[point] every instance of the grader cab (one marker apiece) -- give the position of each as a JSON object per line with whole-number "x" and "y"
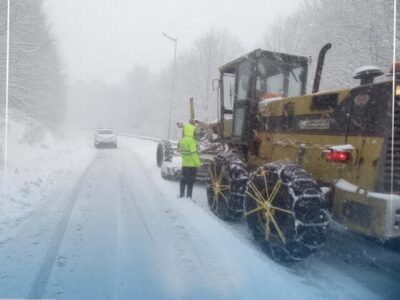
{"x": 295, "y": 157}
{"x": 255, "y": 76}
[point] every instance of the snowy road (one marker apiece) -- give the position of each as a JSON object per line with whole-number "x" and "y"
{"x": 117, "y": 231}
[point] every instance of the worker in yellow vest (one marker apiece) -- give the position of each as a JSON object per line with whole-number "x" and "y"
{"x": 190, "y": 159}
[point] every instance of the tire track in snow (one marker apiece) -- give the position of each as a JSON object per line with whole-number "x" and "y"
{"x": 135, "y": 228}
{"x": 128, "y": 190}
{"x": 43, "y": 275}
{"x": 195, "y": 253}
{"x": 90, "y": 244}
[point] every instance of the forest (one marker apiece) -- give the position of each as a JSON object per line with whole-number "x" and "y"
{"x": 360, "y": 31}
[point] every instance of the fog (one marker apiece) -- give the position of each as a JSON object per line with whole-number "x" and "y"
{"x": 101, "y": 39}
{"x": 103, "y": 43}
{"x": 298, "y": 198}
{"x": 89, "y": 64}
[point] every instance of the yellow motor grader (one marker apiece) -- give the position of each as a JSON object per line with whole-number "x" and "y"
{"x": 291, "y": 157}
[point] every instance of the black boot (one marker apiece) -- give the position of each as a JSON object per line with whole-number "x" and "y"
{"x": 189, "y": 190}
{"x": 182, "y": 189}
{"x": 190, "y": 181}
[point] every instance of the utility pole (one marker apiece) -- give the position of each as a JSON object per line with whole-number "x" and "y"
{"x": 175, "y": 40}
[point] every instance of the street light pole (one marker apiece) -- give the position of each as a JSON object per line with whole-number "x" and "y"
{"x": 6, "y": 105}
{"x": 175, "y": 40}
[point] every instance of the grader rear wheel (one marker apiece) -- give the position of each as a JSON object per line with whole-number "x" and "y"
{"x": 285, "y": 211}
{"x": 165, "y": 152}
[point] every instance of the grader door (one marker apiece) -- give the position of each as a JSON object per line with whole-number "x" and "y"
{"x": 242, "y": 101}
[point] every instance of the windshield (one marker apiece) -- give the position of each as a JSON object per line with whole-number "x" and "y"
{"x": 243, "y": 80}
{"x": 105, "y": 131}
{"x": 229, "y": 89}
{"x": 278, "y": 79}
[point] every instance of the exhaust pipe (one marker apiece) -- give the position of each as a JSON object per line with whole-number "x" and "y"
{"x": 191, "y": 110}
{"x": 320, "y": 64}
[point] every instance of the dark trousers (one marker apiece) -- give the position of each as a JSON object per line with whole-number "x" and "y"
{"x": 188, "y": 178}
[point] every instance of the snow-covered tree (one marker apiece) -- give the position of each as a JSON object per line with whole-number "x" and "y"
{"x": 149, "y": 94}
{"x": 36, "y": 85}
{"x": 211, "y": 51}
{"x": 397, "y": 32}
{"x": 361, "y": 32}
{"x": 196, "y": 69}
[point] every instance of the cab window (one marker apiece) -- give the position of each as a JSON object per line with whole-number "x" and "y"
{"x": 276, "y": 78}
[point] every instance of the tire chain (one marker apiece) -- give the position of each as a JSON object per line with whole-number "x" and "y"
{"x": 168, "y": 151}
{"x": 238, "y": 176}
{"x": 308, "y": 206}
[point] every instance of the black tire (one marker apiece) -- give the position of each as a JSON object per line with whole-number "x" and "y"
{"x": 299, "y": 211}
{"x": 165, "y": 152}
{"x": 233, "y": 179}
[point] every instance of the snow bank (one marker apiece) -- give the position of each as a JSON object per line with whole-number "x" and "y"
{"x": 36, "y": 162}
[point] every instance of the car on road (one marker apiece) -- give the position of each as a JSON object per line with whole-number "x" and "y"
{"x": 105, "y": 137}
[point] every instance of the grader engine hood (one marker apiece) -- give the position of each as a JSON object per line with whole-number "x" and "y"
{"x": 343, "y": 136}
{"x": 355, "y": 116}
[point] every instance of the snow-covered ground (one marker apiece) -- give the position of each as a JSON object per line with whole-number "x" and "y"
{"x": 103, "y": 224}
{"x": 35, "y": 168}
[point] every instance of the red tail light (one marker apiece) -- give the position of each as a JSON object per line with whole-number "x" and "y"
{"x": 336, "y": 156}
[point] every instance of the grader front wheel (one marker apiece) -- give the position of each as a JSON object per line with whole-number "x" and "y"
{"x": 218, "y": 189}
{"x": 227, "y": 184}
{"x": 285, "y": 211}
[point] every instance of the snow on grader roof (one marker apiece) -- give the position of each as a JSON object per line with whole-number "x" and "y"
{"x": 260, "y": 52}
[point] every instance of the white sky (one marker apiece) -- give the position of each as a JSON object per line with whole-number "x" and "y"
{"x": 104, "y": 39}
